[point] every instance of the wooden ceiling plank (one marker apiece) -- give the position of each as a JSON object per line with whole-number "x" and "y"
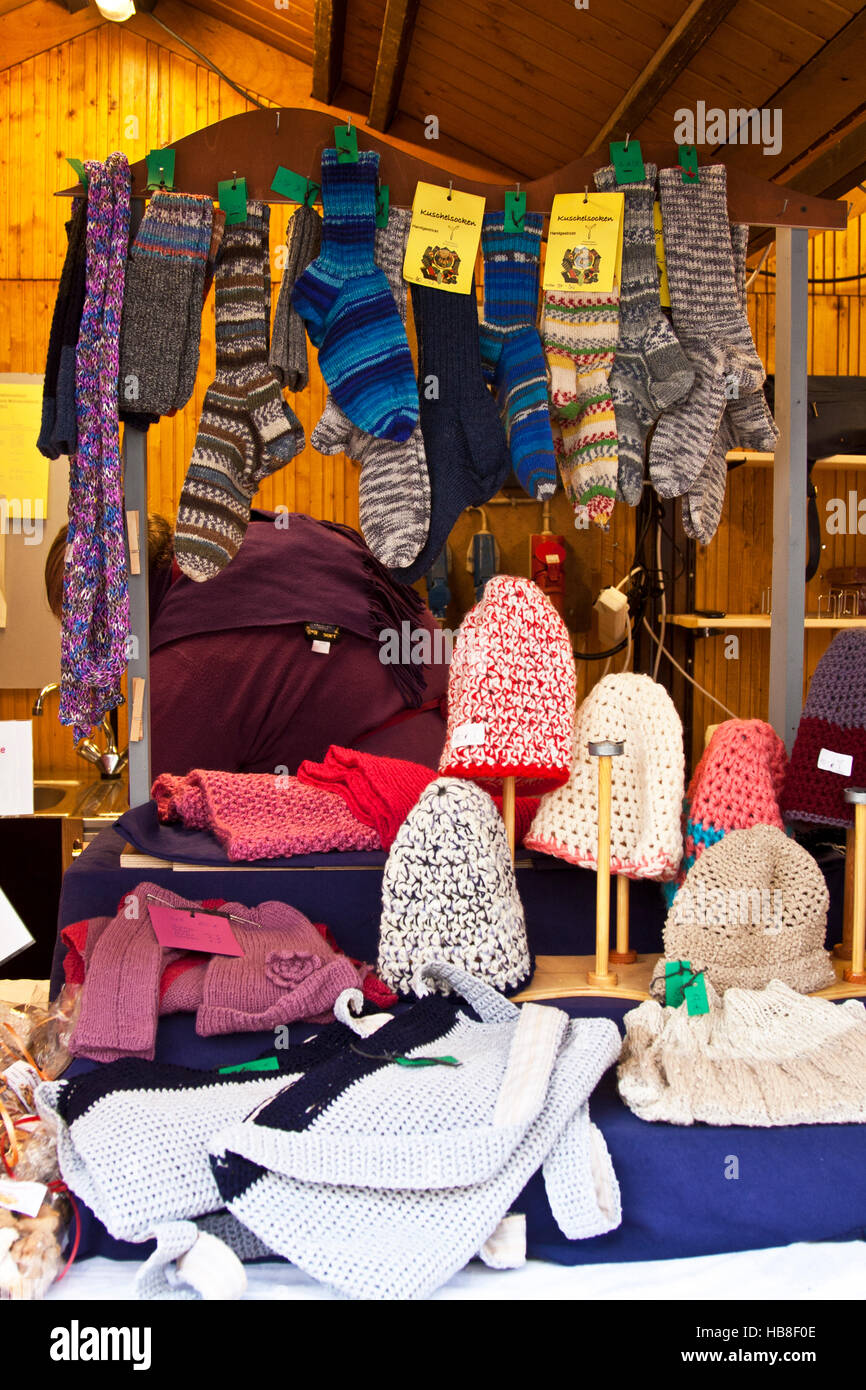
{"x": 701, "y": 19}
{"x": 283, "y": 29}
{"x": 517, "y": 29}
{"x": 823, "y": 18}
{"x": 39, "y": 25}
{"x": 328, "y": 36}
{"x": 394, "y": 43}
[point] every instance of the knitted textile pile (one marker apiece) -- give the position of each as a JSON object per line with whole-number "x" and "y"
{"x": 646, "y": 783}
{"x": 394, "y": 487}
{"x": 737, "y": 783}
{"x": 58, "y": 433}
{"x": 260, "y": 815}
{"x": 511, "y": 689}
{"x": 752, "y": 909}
{"x": 380, "y": 792}
{"x": 378, "y": 1179}
{"x": 346, "y": 302}
{"x": 246, "y": 431}
{"x": 382, "y": 1181}
{"x": 95, "y": 622}
{"x": 287, "y": 973}
{"x": 758, "y": 1058}
{"x": 449, "y": 893}
{"x": 833, "y": 721}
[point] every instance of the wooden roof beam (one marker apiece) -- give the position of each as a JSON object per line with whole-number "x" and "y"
{"x": 394, "y": 43}
{"x": 688, "y": 36}
{"x": 329, "y": 32}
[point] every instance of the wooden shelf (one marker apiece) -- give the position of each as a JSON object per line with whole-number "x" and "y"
{"x": 564, "y": 977}
{"x": 693, "y": 620}
{"x": 756, "y": 460}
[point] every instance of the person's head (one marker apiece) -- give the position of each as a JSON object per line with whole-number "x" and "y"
{"x": 160, "y": 552}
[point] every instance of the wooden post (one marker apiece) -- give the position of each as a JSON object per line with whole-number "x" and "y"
{"x": 623, "y": 955}
{"x": 856, "y": 972}
{"x": 602, "y": 976}
{"x": 843, "y": 949}
{"x": 508, "y": 795}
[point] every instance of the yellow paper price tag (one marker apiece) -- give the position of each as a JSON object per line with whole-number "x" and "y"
{"x": 584, "y": 244}
{"x": 664, "y": 289}
{"x": 443, "y": 238}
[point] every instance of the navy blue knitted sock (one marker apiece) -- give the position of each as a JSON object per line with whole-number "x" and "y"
{"x": 464, "y": 438}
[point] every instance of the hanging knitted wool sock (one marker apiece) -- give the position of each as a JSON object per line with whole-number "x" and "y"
{"x": 650, "y": 370}
{"x": 288, "y": 355}
{"x": 394, "y": 530}
{"x": 710, "y": 323}
{"x": 347, "y": 305}
{"x": 579, "y": 331}
{"x": 281, "y": 431}
{"x": 511, "y": 352}
{"x": 464, "y": 440}
{"x": 244, "y": 432}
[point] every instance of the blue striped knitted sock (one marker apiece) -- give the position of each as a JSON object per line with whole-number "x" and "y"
{"x": 512, "y": 357}
{"x": 351, "y": 317}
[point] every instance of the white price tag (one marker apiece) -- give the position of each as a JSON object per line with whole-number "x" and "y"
{"x": 26, "y": 1197}
{"x": 23, "y": 1080}
{"x": 322, "y": 647}
{"x": 468, "y": 735}
{"x": 836, "y": 762}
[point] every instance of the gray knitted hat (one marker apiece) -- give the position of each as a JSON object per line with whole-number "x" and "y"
{"x": 753, "y": 909}
{"x": 449, "y": 893}
{"x": 759, "y": 1058}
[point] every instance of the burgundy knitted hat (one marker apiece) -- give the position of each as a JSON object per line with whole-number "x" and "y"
{"x": 511, "y": 690}
{"x": 830, "y": 748}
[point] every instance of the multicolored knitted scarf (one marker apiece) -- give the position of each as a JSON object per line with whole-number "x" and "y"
{"x": 95, "y": 624}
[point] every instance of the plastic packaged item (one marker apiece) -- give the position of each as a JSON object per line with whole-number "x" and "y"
{"x": 31, "y": 1248}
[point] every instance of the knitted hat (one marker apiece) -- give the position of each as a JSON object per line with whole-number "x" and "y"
{"x": 646, "y": 783}
{"x": 758, "y": 1058}
{"x": 752, "y": 909}
{"x": 511, "y": 689}
{"x": 737, "y": 783}
{"x": 834, "y": 722}
{"x": 448, "y": 892}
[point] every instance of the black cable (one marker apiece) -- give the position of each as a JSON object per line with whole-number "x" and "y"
{"x": 836, "y": 280}
{"x": 213, "y": 67}
{"x": 600, "y": 656}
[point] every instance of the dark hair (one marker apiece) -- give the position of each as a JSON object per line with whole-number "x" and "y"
{"x": 160, "y": 553}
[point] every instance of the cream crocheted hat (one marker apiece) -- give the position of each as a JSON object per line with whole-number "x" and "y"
{"x": 753, "y": 908}
{"x": 646, "y": 783}
{"x": 449, "y": 893}
{"x": 759, "y": 1058}
{"x": 511, "y": 690}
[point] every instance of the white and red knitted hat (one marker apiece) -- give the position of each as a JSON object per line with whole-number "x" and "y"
{"x": 511, "y": 690}
{"x": 646, "y": 783}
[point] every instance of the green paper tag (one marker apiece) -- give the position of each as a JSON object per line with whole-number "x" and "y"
{"x": 260, "y": 1064}
{"x": 346, "y": 141}
{"x": 515, "y": 211}
{"x": 160, "y": 169}
{"x": 295, "y": 187}
{"x": 677, "y": 975}
{"x": 383, "y": 203}
{"x": 695, "y": 995}
{"x": 233, "y": 200}
{"x": 79, "y": 169}
{"x": 627, "y": 163}
{"x": 689, "y": 164}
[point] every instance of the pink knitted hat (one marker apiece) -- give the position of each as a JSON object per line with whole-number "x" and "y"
{"x": 511, "y": 689}
{"x": 736, "y": 784}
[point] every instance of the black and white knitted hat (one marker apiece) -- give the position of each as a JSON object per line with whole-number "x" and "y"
{"x": 449, "y": 892}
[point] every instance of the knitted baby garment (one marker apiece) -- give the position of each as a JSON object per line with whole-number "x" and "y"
{"x": 383, "y": 1180}
{"x": 759, "y": 1058}
{"x": 646, "y": 783}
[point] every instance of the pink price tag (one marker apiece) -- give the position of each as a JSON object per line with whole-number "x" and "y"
{"x": 193, "y": 930}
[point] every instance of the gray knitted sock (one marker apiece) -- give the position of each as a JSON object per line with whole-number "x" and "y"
{"x": 710, "y": 324}
{"x": 288, "y": 354}
{"x": 747, "y": 423}
{"x": 394, "y": 491}
{"x": 650, "y": 371}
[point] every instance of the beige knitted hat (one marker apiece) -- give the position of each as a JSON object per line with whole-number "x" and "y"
{"x": 759, "y": 1057}
{"x": 753, "y": 908}
{"x": 646, "y": 783}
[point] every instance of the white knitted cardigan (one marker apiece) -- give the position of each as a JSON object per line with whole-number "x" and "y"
{"x": 389, "y": 1187}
